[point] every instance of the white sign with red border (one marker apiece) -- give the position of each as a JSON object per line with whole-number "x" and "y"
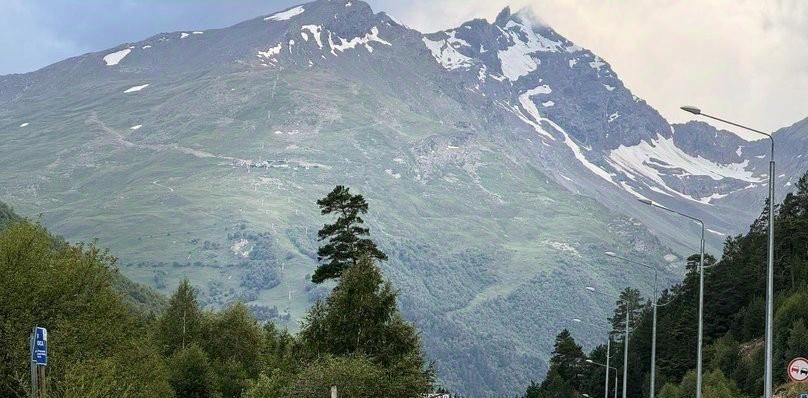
{"x": 798, "y": 370}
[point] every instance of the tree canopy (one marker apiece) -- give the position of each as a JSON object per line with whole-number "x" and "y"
{"x": 346, "y": 238}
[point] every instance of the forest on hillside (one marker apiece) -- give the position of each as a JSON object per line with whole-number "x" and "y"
{"x": 109, "y": 337}
{"x": 734, "y": 320}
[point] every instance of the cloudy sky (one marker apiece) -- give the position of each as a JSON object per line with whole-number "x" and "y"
{"x": 746, "y": 60}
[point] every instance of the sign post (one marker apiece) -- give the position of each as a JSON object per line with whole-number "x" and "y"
{"x": 798, "y": 370}
{"x": 39, "y": 359}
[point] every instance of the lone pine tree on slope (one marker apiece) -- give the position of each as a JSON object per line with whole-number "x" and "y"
{"x": 347, "y": 241}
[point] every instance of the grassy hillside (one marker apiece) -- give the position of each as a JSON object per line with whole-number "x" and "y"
{"x": 218, "y": 186}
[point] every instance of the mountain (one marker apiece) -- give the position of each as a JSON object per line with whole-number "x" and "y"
{"x": 500, "y": 161}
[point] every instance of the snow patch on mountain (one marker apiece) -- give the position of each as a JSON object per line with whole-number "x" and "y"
{"x": 631, "y": 190}
{"x": 136, "y": 88}
{"x": 456, "y": 41}
{"x": 517, "y": 60}
{"x": 184, "y": 35}
{"x": 446, "y": 55}
{"x": 530, "y": 107}
{"x": 344, "y": 45}
{"x": 286, "y": 15}
{"x": 650, "y": 159}
{"x": 709, "y": 199}
{"x": 597, "y": 63}
{"x": 576, "y": 150}
{"x": 112, "y": 59}
{"x": 316, "y": 31}
{"x": 271, "y": 52}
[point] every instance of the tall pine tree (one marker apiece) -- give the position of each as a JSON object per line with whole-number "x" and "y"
{"x": 181, "y": 323}
{"x": 347, "y": 238}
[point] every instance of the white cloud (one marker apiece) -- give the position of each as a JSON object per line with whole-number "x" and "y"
{"x": 745, "y": 60}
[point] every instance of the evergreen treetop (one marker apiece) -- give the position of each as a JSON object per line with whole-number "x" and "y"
{"x": 347, "y": 240}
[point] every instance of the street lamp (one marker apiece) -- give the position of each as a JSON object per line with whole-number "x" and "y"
{"x": 767, "y": 379}
{"x": 607, "y": 376}
{"x": 655, "y": 305}
{"x": 608, "y": 358}
{"x": 701, "y": 289}
{"x": 625, "y": 339}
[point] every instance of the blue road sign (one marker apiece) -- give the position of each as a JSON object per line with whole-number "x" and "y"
{"x": 804, "y": 395}
{"x": 39, "y": 350}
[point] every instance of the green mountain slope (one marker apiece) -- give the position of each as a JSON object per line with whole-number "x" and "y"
{"x": 477, "y": 239}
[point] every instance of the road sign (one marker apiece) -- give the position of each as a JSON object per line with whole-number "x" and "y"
{"x": 804, "y": 395}
{"x": 798, "y": 369}
{"x": 39, "y": 348}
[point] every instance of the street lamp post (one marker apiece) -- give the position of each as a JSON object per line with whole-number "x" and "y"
{"x": 654, "y": 327}
{"x": 606, "y": 394}
{"x": 625, "y": 339}
{"x": 767, "y": 379}
{"x": 656, "y": 305}
{"x": 608, "y": 358}
{"x": 701, "y": 291}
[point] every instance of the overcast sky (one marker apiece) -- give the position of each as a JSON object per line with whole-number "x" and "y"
{"x": 746, "y": 60}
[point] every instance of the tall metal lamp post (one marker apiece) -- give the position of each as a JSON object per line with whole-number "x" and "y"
{"x": 654, "y": 328}
{"x": 625, "y": 339}
{"x": 606, "y": 394}
{"x": 608, "y": 358}
{"x": 767, "y": 384}
{"x": 701, "y": 291}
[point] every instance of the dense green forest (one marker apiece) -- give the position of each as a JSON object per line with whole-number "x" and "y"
{"x": 733, "y": 322}
{"x": 109, "y": 337}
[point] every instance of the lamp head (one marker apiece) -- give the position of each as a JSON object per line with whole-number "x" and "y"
{"x": 610, "y": 254}
{"x": 590, "y": 288}
{"x": 649, "y": 202}
{"x": 576, "y": 320}
{"x": 589, "y": 361}
{"x": 691, "y": 109}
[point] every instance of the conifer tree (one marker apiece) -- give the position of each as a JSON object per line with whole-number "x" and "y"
{"x": 181, "y": 323}
{"x": 630, "y": 300}
{"x": 568, "y": 358}
{"x": 347, "y": 238}
{"x": 360, "y": 318}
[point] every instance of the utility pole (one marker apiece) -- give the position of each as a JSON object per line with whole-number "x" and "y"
{"x": 333, "y": 391}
